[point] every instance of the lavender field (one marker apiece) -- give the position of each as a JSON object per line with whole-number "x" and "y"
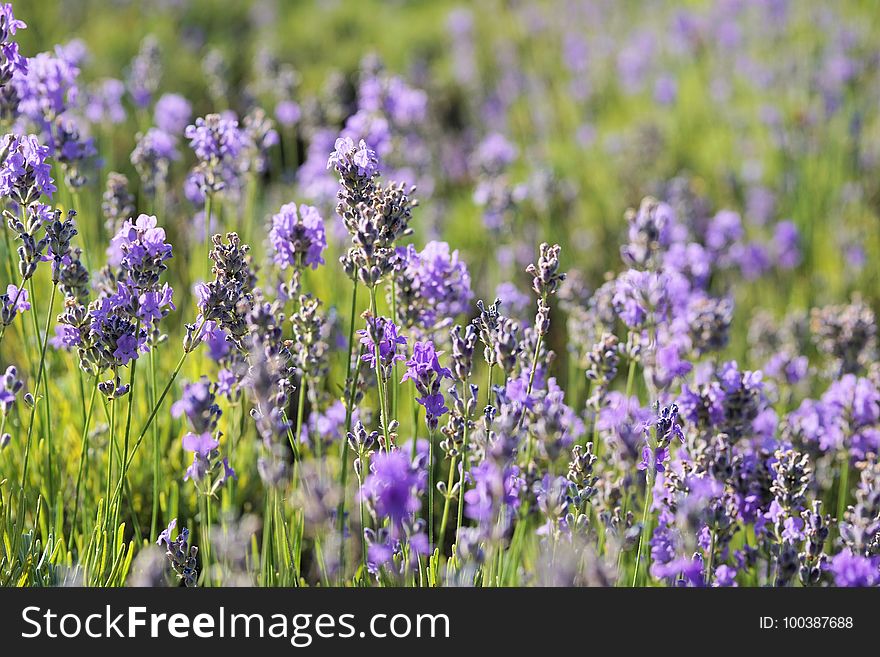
{"x": 406, "y": 294}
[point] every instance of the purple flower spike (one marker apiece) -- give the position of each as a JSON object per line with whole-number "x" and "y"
{"x": 298, "y": 237}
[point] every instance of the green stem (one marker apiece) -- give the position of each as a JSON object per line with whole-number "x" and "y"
{"x": 10, "y": 264}
{"x": 531, "y": 438}
{"x": 649, "y": 494}
{"x": 449, "y": 483}
{"x": 595, "y": 428}
{"x": 361, "y": 538}
{"x": 489, "y": 385}
{"x": 415, "y": 440}
{"x": 266, "y": 547}
{"x": 75, "y": 203}
{"x": 394, "y": 365}
{"x": 431, "y": 489}
{"x": 630, "y": 379}
{"x": 82, "y": 395}
{"x": 46, "y": 407}
{"x": 110, "y": 440}
{"x": 617, "y": 578}
{"x": 151, "y": 391}
{"x": 534, "y": 363}
{"x": 205, "y": 547}
{"x": 301, "y": 402}
{"x": 351, "y": 382}
{"x": 85, "y": 451}
{"x": 711, "y": 558}
{"x": 380, "y": 380}
{"x": 464, "y": 467}
{"x": 127, "y": 437}
{"x": 843, "y": 489}
{"x": 208, "y": 202}
{"x": 30, "y": 433}
{"x": 250, "y": 207}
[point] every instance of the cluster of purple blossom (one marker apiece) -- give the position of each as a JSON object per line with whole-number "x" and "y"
{"x": 123, "y": 321}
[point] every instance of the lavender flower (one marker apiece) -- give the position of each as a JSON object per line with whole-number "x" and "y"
{"x": 326, "y": 426}
{"x": 426, "y": 373}
{"x": 152, "y": 157}
{"x": 199, "y": 406}
{"x": 208, "y": 471}
{"x": 287, "y": 113}
{"x": 546, "y": 275}
{"x": 847, "y": 335}
{"x": 114, "y": 335}
{"x": 13, "y": 302}
{"x": 261, "y": 136}
{"x": 602, "y": 363}
{"x": 555, "y": 424}
{"x": 357, "y": 183}
{"x": 31, "y": 250}
{"x": 140, "y": 250}
{"x": 217, "y": 142}
{"x": 709, "y": 319}
{"x": 104, "y": 104}
{"x": 393, "y": 487}
{"x": 297, "y": 237}
{"x": 204, "y": 449}
{"x": 851, "y": 408}
{"x": 786, "y": 245}
{"x": 494, "y": 490}
{"x": 433, "y": 286}
{"x": 792, "y": 474}
{"x": 25, "y": 172}
{"x": 310, "y": 349}
{"x": 813, "y": 560}
{"x": 172, "y": 114}
{"x": 641, "y": 298}
{"x": 729, "y": 405}
{"x": 651, "y": 230}
{"x": 269, "y": 382}
{"x": 144, "y": 72}
{"x": 659, "y": 434}
{"x": 378, "y": 224}
{"x": 117, "y": 204}
{"x": 215, "y": 138}
{"x": 860, "y": 528}
{"x": 12, "y": 61}
{"x": 180, "y": 554}
{"x": 851, "y": 569}
{"x": 58, "y": 236}
{"x": 227, "y": 299}
{"x": 463, "y": 350}
{"x": 653, "y": 459}
{"x": 72, "y": 147}
{"x": 353, "y": 161}
{"x": 10, "y": 385}
{"x": 48, "y": 88}
{"x": 499, "y": 335}
{"x": 495, "y": 154}
{"x": 383, "y": 332}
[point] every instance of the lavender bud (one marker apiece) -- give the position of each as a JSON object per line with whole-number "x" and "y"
{"x": 546, "y": 277}
{"x": 118, "y": 203}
